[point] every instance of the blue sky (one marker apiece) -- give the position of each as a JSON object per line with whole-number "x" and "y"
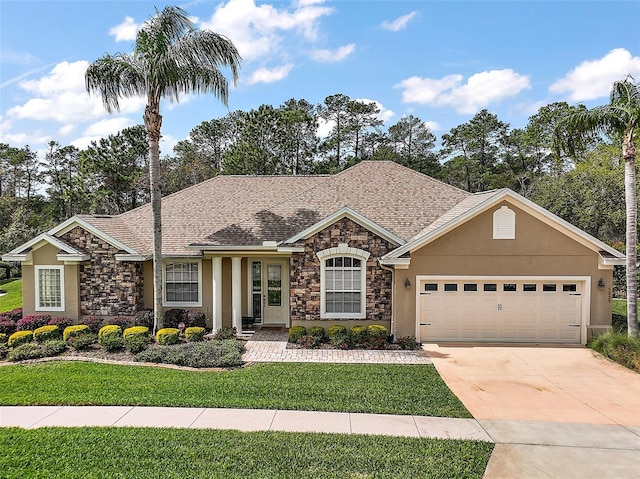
{"x": 441, "y": 61}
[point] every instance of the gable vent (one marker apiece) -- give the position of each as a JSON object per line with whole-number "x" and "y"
{"x": 504, "y": 223}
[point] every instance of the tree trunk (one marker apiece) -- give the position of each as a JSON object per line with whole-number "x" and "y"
{"x": 153, "y": 123}
{"x": 629, "y": 155}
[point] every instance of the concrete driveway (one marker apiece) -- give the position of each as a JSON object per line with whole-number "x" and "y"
{"x": 552, "y": 411}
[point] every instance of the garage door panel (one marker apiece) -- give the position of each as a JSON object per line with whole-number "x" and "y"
{"x": 517, "y": 311}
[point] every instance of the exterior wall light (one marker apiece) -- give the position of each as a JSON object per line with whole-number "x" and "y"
{"x": 601, "y": 284}
{"x": 407, "y": 283}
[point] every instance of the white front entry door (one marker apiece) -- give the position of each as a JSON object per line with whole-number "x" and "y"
{"x": 270, "y": 291}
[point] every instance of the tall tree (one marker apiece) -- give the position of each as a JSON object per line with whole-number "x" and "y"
{"x": 170, "y": 58}
{"x": 334, "y": 111}
{"x": 61, "y": 167}
{"x": 413, "y": 143}
{"x": 298, "y": 120}
{"x": 362, "y": 117}
{"x": 619, "y": 119}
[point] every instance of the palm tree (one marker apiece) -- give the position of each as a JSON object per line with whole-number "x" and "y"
{"x": 620, "y": 119}
{"x": 170, "y": 57}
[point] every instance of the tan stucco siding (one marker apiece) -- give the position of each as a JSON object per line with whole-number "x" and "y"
{"x": 470, "y": 250}
{"x": 46, "y": 256}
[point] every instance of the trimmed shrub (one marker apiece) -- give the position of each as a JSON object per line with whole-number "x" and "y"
{"x": 173, "y": 317}
{"x": 358, "y": 334}
{"x": 336, "y": 329}
{"x": 20, "y": 337}
{"x": 82, "y": 341}
{"x": 341, "y": 339}
{"x": 225, "y": 333}
{"x": 4, "y": 351}
{"x": 168, "y": 336}
{"x": 194, "y": 334}
{"x": 309, "y": 342}
{"x": 144, "y": 318}
{"x": 296, "y": 332}
{"x": 94, "y": 323}
{"x": 378, "y": 331}
{"x": 46, "y": 333}
{"x": 14, "y": 314}
{"x": 408, "y": 342}
{"x": 136, "y": 338}
{"x": 61, "y": 322}
{"x": 37, "y": 350}
{"x": 317, "y": 332}
{"x": 206, "y": 354}
{"x": 123, "y": 321}
{"x": 110, "y": 337}
{"x": 196, "y": 318}
{"x": 33, "y": 322}
{"x": 7, "y": 326}
{"x": 73, "y": 331}
{"x": 3, "y": 338}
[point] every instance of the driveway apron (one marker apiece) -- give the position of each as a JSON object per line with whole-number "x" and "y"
{"x": 552, "y": 411}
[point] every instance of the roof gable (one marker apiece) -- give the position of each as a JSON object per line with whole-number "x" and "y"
{"x": 67, "y": 252}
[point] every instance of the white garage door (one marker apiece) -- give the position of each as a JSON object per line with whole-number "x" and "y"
{"x": 500, "y": 310}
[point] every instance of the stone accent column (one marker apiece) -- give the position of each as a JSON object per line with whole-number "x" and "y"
{"x": 216, "y": 265}
{"x": 236, "y": 292}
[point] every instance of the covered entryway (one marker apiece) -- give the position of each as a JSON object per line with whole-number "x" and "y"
{"x": 502, "y": 309}
{"x": 269, "y": 291}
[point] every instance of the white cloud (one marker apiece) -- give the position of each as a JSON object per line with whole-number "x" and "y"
{"x": 167, "y": 142}
{"x": 126, "y": 31}
{"x": 266, "y": 75}
{"x": 593, "y": 78}
{"x": 432, "y": 125}
{"x": 399, "y": 23}
{"x": 259, "y": 31}
{"x": 384, "y": 114}
{"x": 324, "y": 127}
{"x": 66, "y": 130}
{"x": 480, "y": 90}
{"x": 108, "y": 126}
{"x": 333, "y": 56}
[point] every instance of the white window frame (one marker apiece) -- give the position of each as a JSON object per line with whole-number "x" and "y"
{"x": 38, "y": 270}
{"x": 343, "y": 250}
{"x": 190, "y": 304}
{"x": 504, "y": 224}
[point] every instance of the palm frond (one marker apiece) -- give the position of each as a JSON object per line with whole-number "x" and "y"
{"x": 115, "y": 77}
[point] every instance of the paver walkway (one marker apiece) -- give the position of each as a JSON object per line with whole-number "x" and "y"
{"x": 271, "y": 346}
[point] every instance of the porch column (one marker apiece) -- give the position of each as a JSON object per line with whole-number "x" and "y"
{"x": 236, "y": 292}
{"x": 216, "y": 265}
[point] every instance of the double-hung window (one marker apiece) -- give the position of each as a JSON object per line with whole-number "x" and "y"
{"x": 183, "y": 283}
{"x": 343, "y": 284}
{"x": 49, "y": 288}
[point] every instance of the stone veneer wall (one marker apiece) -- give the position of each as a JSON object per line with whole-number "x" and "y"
{"x": 107, "y": 287}
{"x": 305, "y": 271}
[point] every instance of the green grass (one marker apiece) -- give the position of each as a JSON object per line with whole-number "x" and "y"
{"x": 13, "y": 298}
{"x": 619, "y": 306}
{"x": 178, "y": 453}
{"x": 618, "y": 347}
{"x": 372, "y": 388}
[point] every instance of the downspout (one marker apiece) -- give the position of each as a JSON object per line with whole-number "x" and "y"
{"x": 393, "y": 299}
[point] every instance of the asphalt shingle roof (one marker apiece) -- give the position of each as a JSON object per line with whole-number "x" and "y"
{"x": 247, "y": 210}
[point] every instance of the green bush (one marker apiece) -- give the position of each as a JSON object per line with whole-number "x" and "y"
{"x": 296, "y": 332}
{"x": 619, "y": 347}
{"x": 37, "y": 350}
{"x": 309, "y": 342}
{"x": 46, "y": 333}
{"x": 20, "y": 337}
{"x": 194, "y": 333}
{"x": 358, "y": 334}
{"x": 110, "y": 338}
{"x": 82, "y": 341}
{"x": 225, "y": 333}
{"x": 378, "y": 331}
{"x": 73, "y": 331}
{"x": 109, "y": 330}
{"x": 3, "y": 338}
{"x": 317, "y": 332}
{"x": 408, "y": 342}
{"x": 341, "y": 339}
{"x": 167, "y": 336}
{"x": 207, "y": 354}
{"x": 136, "y": 338}
{"x": 336, "y": 329}
{"x": 4, "y": 350}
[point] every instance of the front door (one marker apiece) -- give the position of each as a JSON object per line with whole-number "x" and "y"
{"x": 270, "y": 291}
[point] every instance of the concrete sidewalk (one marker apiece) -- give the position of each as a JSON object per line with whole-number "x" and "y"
{"x": 31, "y": 417}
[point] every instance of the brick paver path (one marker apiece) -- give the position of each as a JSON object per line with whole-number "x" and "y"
{"x": 271, "y": 346}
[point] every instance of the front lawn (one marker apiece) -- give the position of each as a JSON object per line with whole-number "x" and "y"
{"x": 13, "y": 298}
{"x": 371, "y": 388}
{"x": 168, "y": 453}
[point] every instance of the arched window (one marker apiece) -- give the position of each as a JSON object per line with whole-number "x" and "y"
{"x": 343, "y": 282}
